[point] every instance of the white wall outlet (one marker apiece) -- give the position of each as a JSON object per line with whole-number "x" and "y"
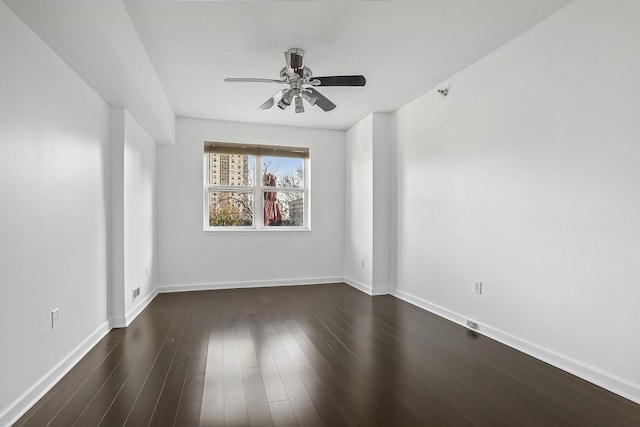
{"x": 135, "y": 293}
{"x": 55, "y": 318}
{"x": 471, "y": 324}
{"x": 479, "y": 288}
{"x": 362, "y": 263}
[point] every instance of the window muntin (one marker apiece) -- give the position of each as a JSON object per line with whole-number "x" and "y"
{"x": 234, "y": 200}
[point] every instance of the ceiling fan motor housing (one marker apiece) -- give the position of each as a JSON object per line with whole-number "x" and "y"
{"x": 304, "y": 73}
{"x": 295, "y": 61}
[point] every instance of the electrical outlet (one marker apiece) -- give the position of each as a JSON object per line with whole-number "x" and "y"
{"x": 55, "y": 318}
{"x": 135, "y": 293}
{"x": 472, "y": 325}
{"x": 479, "y": 288}
{"x": 362, "y": 263}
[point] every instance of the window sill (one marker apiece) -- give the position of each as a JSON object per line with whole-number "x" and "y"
{"x": 238, "y": 230}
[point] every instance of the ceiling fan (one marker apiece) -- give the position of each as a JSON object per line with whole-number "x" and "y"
{"x": 301, "y": 84}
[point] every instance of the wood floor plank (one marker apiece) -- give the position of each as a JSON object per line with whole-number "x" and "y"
{"x": 190, "y": 407}
{"x": 474, "y": 397}
{"x": 421, "y": 412}
{"x": 270, "y": 375}
{"x": 96, "y": 409}
{"x": 57, "y": 398}
{"x": 328, "y": 408}
{"x": 212, "y": 412}
{"x": 123, "y": 403}
{"x": 371, "y": 402}
{"x": 258, "y": 411}
{"x": 70, "y": 413}
{"x": 171, "y": 395}
{"x": 289, "y": 342}
{"x": 235, "y": 405}
{"x": 313, "y": 355}
{"x": 248, "y": 357}
{"x": 299, "y": 399}
{"x": 380, "y": 352}
{"x": 102, "y": 400}
{"x": 147, "y": 400}
{"x": 282, "y": 414}
{"x": 332, "y": 410}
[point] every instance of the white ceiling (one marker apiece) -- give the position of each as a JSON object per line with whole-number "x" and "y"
{"x": 404, "y": 48}
{"x": 157, "y": 57}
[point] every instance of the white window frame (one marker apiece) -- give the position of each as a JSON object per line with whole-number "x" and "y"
{"x": 257, "y": 190}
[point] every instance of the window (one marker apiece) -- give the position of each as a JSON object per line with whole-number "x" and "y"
{"x": 255, "y": 187}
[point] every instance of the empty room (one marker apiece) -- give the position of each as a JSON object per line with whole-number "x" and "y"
{"x": 319, "y": 213}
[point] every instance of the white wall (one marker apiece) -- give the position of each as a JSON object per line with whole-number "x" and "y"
{"x": 53, "y": 222}
{"x": 526, "y": 178}
{"x": 115, "y": 241}
{"x": 370, "y": 205}
{"x": 359, "y": 197}
{"x": 383, "y": 181}
{"x": 139, "y": 213}
{"x": 132, "y": 206}
{"x": 189, "y": 258}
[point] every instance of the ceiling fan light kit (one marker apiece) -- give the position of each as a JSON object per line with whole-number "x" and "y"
{"x": 311, "y": 99}
{"x": 301, "y": 84}
{"x": 299, "y": 106}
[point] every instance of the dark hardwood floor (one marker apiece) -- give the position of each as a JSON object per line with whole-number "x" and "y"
{"x": 311, "y": 356}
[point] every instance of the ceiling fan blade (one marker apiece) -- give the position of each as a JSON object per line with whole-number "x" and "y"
{"x": 271, "y": 101}
{"x": 341, "y": 80}
{"x": 322, "y": 101}
{"x": 252, "y": 80}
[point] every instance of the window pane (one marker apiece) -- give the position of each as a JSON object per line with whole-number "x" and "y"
{"x": 282, "y": 172}
{"x": 227, "y": 209}
{"x": 230, "y": 169}
{"x": 283, "y": 208}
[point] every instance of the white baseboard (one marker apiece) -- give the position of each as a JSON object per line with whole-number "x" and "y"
{"x": 359, "y": 286}
{"x": 433, "y": 308}
{"x": 123, "y": 322}
{"x": 118, "y": 322}
{"x": 30, "y": 397}
{"x": 140, "y": 306}
{"x": 365, "y": 288}
{"x": 250, "y": 284}
{"x": 592, "y": 374}
{"x": 381, "y": 291}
